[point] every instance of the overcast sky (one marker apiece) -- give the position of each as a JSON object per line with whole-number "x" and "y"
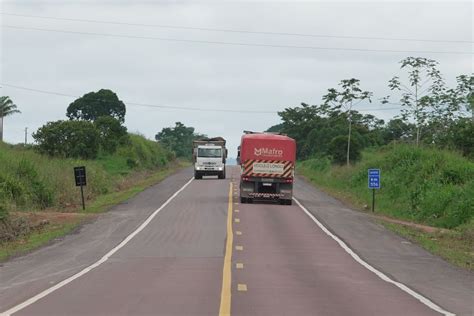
{"x": 216, "y": 76}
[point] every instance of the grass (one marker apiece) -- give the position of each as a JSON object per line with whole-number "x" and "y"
{"x": 33, "y": 183}
{"x": 453, "y": 246}
{"x": 429, "y": 186}
{"x": 35, "y": 240}
{"x": 99, "y": 205}
{"x": 422, "y": 185}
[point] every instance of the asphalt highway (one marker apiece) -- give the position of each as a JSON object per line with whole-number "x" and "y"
{"x": 187, "y": 247}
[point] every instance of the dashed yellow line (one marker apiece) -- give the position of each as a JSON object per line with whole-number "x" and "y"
{"x": 226, "y": 291}
{"x": 242, "y": 287}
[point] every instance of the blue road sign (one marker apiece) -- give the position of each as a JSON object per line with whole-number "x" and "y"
{"x": 374, "y": 178}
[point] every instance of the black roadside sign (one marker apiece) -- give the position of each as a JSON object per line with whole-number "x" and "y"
{"x": 80, "y": 176}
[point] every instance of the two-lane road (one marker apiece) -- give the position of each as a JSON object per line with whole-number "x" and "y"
{"x": 202, "y": 253}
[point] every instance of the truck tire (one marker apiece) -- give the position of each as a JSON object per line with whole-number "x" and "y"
{"x": 197, "y": 175}
{"x": 243, "y": 200}
{"x": 221, "y": 175}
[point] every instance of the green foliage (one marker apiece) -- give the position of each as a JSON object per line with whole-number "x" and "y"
{"x": 144, "y": 154}
{"x": 275, "y": 128}
{"x": 7, "y": 107}
{"x": 396, "y": 130}
{"x": 314, "y": 127}
{"x": 29, "y": 180}
{"x": 427, "y": 185}
{"x": 93, "y": 105}
{"x": 178, "y": 139}
{"x": 337, "y": 149}
{"x": 68, "y": 139}
{"x": 3, "y": 212}
{"x": 111, "y": 133}
{"x": 41, "y": 195}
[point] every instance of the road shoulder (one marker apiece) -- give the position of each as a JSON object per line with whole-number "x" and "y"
{"x": 431, "y": 276}
{"x": 25, "y": 276}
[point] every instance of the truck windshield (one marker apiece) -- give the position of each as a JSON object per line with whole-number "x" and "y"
{"x": 209, "y": 152}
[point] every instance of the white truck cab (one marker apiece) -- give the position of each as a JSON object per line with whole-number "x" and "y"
{"x": 209, "y": 158}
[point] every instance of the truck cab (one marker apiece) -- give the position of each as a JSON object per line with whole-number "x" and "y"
{"x": 209, "y": 158}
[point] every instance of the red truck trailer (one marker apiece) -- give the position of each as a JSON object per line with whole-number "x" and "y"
{"x": 267, "y": 162}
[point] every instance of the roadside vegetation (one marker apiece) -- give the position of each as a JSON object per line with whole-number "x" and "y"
{"x": 426, "y": 154}
{"x": 38, "y": 197}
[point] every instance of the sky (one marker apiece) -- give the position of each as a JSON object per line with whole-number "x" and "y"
{"x": 256, "y": 81}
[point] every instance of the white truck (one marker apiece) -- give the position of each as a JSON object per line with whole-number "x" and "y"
{"x": 209, "y": 157}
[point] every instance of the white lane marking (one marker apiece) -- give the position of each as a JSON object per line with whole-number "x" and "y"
{"x": 380, "y": 274}
{"x": 50, "y": 290}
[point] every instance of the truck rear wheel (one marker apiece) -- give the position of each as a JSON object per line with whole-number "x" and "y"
{"x": 243, "y": 200}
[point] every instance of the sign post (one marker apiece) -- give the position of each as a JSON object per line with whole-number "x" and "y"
{"x": 373, "y": 183}
{"x": 80, "y": 177}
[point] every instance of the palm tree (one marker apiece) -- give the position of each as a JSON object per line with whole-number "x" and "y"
{"x": 7, "y": 107}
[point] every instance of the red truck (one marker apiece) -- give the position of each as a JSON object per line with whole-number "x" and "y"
{"x": 268, "y": 162}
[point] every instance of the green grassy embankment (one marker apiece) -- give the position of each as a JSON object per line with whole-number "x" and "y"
{"x": 423, "y": 185}
{"x": 40, "y": 202}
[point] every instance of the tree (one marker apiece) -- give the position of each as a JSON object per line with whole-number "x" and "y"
{"x": 338, "y": 152}
{"x": 69, "y": 139}
{"x": 424, "y": 89}
{"x": 465, "y": 91}
{"x": 397, "y": 129}
{"x": 178, "y": 139}
{"x": 7, "y": 108}
{"x": 275, "y": 128}
{"x": 111, "y": 133}
{"x": 93, "y": 105}
{"x": 346, "y": 99}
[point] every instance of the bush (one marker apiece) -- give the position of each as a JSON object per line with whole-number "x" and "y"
{"x": 338, "y": 149}
{"x": 31, "y": 181}
{"x": 68, "y": 139}
{"x": 427, "y": 185}
{"x": 111, "y": 133}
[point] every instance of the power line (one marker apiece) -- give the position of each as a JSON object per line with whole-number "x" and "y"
{"x": 169, "y": 106}
{"x": 143, "y": 104}
{"x": 235, "y": 43}
{"x": 237, "y": 31}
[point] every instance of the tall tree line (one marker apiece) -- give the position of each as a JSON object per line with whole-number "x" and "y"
{"x": 431, "y": 114}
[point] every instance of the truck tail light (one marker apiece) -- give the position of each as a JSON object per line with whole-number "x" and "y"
{"x": 245, "y": 178}
{"x": 289, "y": 180}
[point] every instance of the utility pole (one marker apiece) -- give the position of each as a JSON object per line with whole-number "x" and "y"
{"x": 26, "y": 136}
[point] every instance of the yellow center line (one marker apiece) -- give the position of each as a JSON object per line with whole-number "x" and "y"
{"x": 227, "y": 271}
